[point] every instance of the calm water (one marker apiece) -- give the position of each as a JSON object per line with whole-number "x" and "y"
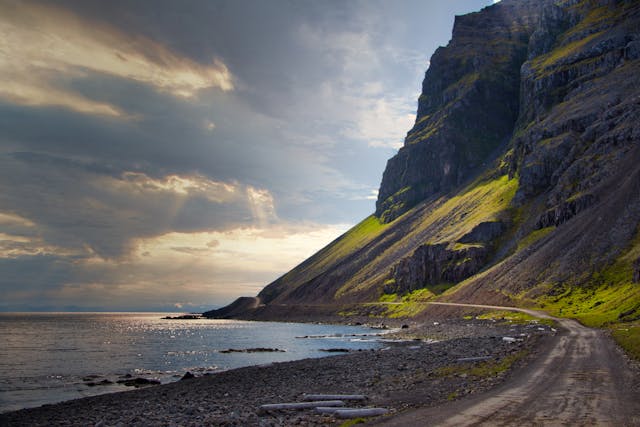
{"x": 50, "y": 357}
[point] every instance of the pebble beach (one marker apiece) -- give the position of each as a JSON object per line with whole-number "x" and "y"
{"x": 423, "y": 365}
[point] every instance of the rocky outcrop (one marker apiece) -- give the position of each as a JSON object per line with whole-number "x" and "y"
{"x": 576, "y": 117}
{"x": 468, "y": 107}
{"x": 564, "y": 211}
{"x": 435, "y": 264}
{"x": 550, "y": 90}
{"x": 484, "y": 232}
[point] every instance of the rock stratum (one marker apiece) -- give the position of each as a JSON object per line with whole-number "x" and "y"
{"x": 519, "y": 183}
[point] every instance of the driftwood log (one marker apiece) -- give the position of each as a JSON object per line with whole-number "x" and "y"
{"x": 327, "y": 409}
{"x": 300, "y": 405}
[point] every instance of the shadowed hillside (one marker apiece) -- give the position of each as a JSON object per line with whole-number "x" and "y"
{"x": 519, "y": 183}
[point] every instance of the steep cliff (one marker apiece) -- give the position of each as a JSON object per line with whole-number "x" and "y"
{"x": 576, "y": 153}
{"x": 518, "y": 184}
{"x": 468, "y": 107}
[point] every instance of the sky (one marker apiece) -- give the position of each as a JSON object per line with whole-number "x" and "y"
{"x": 171, "y": 156}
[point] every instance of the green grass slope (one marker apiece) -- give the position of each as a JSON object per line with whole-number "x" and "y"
{"x": 565, "y": 191}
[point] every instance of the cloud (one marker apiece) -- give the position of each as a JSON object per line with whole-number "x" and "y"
{"x": 364, "y": 96}
{"x": 161, "y": 153}
{"x": 44, "y": 49}
{"x": 77, "y": 208}
{"x": 381, "y": 121}
{"x": 171, "y": 267}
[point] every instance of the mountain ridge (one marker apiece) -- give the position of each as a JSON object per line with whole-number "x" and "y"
{"x": 519, "y": 183}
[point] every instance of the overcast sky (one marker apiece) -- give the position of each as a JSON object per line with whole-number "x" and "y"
{"x": 174, "y": 155}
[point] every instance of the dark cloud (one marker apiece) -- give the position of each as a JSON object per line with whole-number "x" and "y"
{"x": 76, "y": 206}
{"x": 321, "y": 94}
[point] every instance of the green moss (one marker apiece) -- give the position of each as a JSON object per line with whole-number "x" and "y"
{"x": 388, "y": 297}
{"x": 514, "y": 317}
{"x": 394, "y": 203}
{"x": 596, "y": 307}
{"x": 410, "y": 304}
{"x": 353, "y": 422}
{"x": 448, "y": 219}
{"x": 608, "y": 297}
{"x": 461, "y": 246}
{"x": 552, "y": 58}
{"x": 483, "y": 201}
{"x": 435, "y": 119}
{"x": 439, "y": 288}
{"x": 425, "y": 117}
{"x": 356, "y": 238}
{"x": 628, "y": 337}
{"x": 490, "y": 368}
{"x": 595, "y": 19}
{"x": 533, "y": 237}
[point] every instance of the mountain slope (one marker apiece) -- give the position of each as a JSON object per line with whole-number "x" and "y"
{"x": 518, "y": 184}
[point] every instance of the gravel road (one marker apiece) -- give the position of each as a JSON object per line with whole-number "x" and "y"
{"x": 580, "y": 379}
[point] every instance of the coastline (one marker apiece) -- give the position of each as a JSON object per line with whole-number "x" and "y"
{"x": 402, "y": 375}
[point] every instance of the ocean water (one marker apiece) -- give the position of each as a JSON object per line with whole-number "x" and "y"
{"x": 52, "y": 357}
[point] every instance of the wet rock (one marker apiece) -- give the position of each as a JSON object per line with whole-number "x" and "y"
{"x": 253, "y": 350}
{"x": 184, "y": 317}
{"x": 103, "y": 382}
{"x": 138, "y": 382}
{"x": 187, "y": 376}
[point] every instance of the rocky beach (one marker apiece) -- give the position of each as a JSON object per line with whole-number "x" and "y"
{"x": 422, "y": 365}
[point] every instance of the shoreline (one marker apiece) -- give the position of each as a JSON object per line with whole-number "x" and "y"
{"x": 399, "y": 376}
{"x": 104, "y": 364}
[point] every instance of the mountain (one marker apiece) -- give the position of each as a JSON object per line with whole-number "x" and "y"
{"x": 518, "y": 184}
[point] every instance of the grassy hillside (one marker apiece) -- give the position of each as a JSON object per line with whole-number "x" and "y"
{"x": 550, "y": 219}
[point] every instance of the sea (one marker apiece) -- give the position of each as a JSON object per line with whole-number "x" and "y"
{"x": 52, "y": 357}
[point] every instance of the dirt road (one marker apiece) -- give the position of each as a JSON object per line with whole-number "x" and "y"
{"x": 581, "y": 379}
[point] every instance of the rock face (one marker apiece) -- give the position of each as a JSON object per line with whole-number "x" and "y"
{"x": 468, "y": 107}
{"x": 520, "y": 176}
{"x": 435, "y": 264}
{"x": 576, "y": 106}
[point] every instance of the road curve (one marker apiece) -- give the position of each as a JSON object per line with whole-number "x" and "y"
{"x": 581, "y": 379}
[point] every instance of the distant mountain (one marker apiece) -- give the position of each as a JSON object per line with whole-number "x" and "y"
{"x": 518, "y": 184}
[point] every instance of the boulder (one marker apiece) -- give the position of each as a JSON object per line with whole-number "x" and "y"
{"x": 138, "y": 382}
{"x": 187, "y": 376}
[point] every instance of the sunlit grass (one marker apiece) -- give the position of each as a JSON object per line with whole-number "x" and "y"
{"x": 487, "y": 369}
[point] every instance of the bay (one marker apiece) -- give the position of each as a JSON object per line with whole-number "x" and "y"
{"x": 52, "y": 357}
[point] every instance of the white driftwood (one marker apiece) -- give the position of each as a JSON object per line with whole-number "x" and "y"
{"x": 300, "y": 405}
{"x": 327, "y": 409}
{"x": 361, "y": 412}
{"x": 334, "y": 397}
